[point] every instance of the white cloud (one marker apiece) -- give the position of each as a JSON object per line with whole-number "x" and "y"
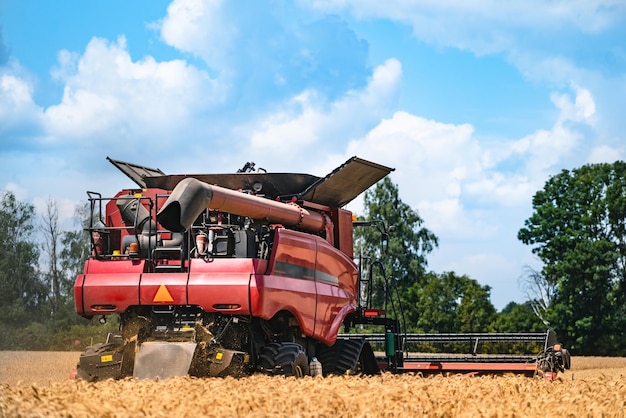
{"x": 290, "y": 130}
{"x": 433, "y": 162}
{"x": 606, "y": 154}
{"x": 66, "y": 210}
{"x": 484, "y": 26}
{"x": 308, "y": 119}
{"x": 19, "y": 192}
{"x": 502, "y": 190}
{"x": 447, "y": 217}
{"x": 582, "y": 109}
{"x": 198, "y": 27}
{"x": 544, "y": 149}
{"x": 107, "y": 94}
{"x": 540, "y": 152}
{"x": 18, "y": 111}
{"x": 447, "y": 173}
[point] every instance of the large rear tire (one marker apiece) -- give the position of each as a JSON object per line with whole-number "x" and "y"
{"x": 283, "y": 359}
{"x": 348, "y": 356}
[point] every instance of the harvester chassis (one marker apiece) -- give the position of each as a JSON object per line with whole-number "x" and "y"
{"x": 228, "y": 275}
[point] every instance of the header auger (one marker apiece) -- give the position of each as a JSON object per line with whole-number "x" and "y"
{"x": 232, "y": 274}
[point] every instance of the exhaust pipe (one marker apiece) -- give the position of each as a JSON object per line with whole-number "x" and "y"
{"x": 191, "y": 197}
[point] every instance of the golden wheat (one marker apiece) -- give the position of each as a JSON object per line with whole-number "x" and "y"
{"x": 42, "y": 388}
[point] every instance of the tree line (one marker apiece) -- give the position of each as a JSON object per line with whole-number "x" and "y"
{"x": 38, "y": 303}
{"x": 399, "y": 243}
{"x": 577, "y": 229}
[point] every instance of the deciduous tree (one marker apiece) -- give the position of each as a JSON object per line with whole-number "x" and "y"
{"x": 22, "y": 293}
{"x": 405, "y": 249}
{"x": 578, "y": 230}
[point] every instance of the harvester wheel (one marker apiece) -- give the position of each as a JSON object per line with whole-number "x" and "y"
{"x": 348, "y": 356}
{"x": 283, "y": 359}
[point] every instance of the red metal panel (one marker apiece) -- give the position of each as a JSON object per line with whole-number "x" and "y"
{"x": 174, "y": 283}
{"x": 93, "y": 266}
{"x": 336, "y": 278}
{"x": 118, "y": 290}
{"x": 278, "y": 293}
{"x": 78, "y": 294}
{"x": 222, "y": 282}
{"x": 109, "y": 286}
{"x": 470, "y": 367}
{"x": 290, "y": 284}
{"x": 343, "y": 232}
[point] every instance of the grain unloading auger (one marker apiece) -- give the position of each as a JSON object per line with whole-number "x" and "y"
{"x": 231, "y": 274}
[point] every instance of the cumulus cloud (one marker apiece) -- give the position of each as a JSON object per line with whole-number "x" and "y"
{"x": 433, "y": 161}
{"x": 139, "y": 110}
{"x": 606, "y": 154}
{"x": 308, "y": 118}
{"x": 469, "y": 190}
{"x": 445, "y": 171}
{"x": 544, "y": 149}
{"x": 261, "y": 54}
{"x": 198, "y": 27}
{"x": 581, "y": 109}
{"x": 108, "y": 95}
{"x": 486, "y": 26}
{"x": 20, "y": 117}
{"x": 19, "y": 192}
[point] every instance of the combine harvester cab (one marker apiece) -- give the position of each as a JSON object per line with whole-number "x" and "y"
{"x": 232, "y": 274}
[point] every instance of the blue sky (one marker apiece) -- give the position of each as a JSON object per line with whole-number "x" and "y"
{"x": 475, "y": 104}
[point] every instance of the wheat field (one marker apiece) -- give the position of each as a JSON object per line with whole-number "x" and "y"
{"x": 37, "y": 384}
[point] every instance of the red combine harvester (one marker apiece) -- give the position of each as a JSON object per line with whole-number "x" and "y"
{"x": 232, "y": 274}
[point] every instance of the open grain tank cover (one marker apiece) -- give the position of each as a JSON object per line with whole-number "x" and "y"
{"x": 345, "y": 183}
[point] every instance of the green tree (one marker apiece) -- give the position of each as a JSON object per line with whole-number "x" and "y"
{"x": 22, "y": 293}
{"x": 476, "y": 312}
{"x": 432, "y": 304}
{"x": 578, "y": 230}
{"x": 72, "y": 256}
{"x": 407, "y": 245}
{"x": 448, "y": 303}
{"x": 518, "y": 317}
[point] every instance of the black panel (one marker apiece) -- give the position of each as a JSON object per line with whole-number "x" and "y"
{"x": 337, "y": 189}
{"x": 136, "y": 173}
{"x": 345, "y": 183}
{"x": 272, "y": 184}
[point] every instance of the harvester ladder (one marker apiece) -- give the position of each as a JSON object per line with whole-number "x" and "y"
{"x": 168, "y": 259}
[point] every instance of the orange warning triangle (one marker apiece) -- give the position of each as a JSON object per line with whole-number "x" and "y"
{"x": 163, "y": 295}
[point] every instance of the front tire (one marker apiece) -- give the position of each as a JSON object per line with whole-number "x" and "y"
{"x": 283, "y": 359}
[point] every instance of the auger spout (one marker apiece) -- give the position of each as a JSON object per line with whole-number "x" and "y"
{"x": 191, "y": 197}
